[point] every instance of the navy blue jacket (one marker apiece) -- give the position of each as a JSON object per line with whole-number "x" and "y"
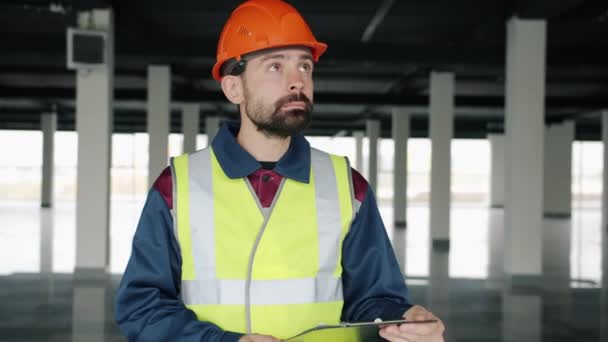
{"x": 148, "y": 305}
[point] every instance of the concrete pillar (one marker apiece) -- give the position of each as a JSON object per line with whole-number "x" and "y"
{"x": 497, "y": 173}
{"x": 605, "y": 180}
{"x": 401, "y": 130}
{"x": 524, "y": 147}
{"x": 212, "y": 125}
{"x": 358, "y": 135}
{"x": 399, "y": 242}
{"x": 557, "y": 232}
{"x": 94, "y": 109}
{"x": 558, "y": 170}
{"x": 372, "y": 127}
{"x": 604, "y": 228}
{"x": 159, "y": 116}
{"x": 190, "y": 126}
{"x": 48, "y": 124}
{"x": 441, "y": 131}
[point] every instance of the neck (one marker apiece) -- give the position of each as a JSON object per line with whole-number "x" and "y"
{"x": 258, "y": 144}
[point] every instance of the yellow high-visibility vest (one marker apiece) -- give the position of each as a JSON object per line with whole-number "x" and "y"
{"x": 248, "y": 269}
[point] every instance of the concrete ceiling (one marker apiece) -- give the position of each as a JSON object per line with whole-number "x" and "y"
{"x": 380, "y": 54}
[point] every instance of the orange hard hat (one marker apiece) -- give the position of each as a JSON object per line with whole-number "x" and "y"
{"x": 263, "y": 24}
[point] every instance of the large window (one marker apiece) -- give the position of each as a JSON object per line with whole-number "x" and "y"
{"x": 586, "y": 233}
{"x": 24, "y": 224}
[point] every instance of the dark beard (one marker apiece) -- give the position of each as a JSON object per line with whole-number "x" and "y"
{"x": 284, "y": 124}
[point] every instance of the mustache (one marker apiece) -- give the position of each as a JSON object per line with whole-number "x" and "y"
{"x": 300, "y": 97}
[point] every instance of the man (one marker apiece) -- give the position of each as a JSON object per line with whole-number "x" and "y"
{"x": 260, "y": 237}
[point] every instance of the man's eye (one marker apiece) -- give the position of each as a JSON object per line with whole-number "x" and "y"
{"x": 305, "y": 67}
{"x": 274, "y": 67}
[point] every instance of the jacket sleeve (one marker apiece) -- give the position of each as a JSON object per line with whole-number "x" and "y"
{"x": 148, "y": 305}
{"x": 373, "y": 284}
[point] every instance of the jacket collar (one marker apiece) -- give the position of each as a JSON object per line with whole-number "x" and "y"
{"x": 238, "y": 163}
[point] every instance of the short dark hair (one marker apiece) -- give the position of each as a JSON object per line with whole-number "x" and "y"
{"x": 228, "y": 68}
{"x": 237, "y": 67}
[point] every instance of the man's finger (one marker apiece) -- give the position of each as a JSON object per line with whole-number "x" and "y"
{"x": 394, "y": 337}
{"x": 391, "y": 329}
{"x": 424, "y": 330}
{"x": 421, "y": 329}
{"x": 419, "y": 317}
{"x": 415, "y": 313}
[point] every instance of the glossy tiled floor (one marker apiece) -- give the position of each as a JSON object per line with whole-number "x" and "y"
{"x": 39, "y": 300}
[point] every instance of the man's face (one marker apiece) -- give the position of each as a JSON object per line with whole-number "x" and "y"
{"x": 278, "y": 91}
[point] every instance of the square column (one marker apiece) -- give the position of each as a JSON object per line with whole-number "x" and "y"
{"x": 441, "y": 130}
{"x": 94, "y": 123}
{"x": 497, "y": 173}
{"x": 372, "y": 127}
{"x": 604, "y": 228}
{"x": 558, "y": 170}
{"x": 159, "y": 100}
{"x": 48, "y": 124}
{"x": 358, "y": 135}
{"x": 524, "y": 149}
{"x": 212, "y": 126}
{"x": 401, "y": 132}
{"x": 190, "y": 126}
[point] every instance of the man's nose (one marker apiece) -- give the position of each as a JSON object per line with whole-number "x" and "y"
{"x": 296, "y": 84}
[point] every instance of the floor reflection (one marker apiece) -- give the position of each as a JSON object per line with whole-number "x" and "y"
{"x": 495, "y": 248}
{"x": 90, "y": 314}
{"x": 46, "y": 241}
{"x": 55, "y": 308}
{"x": 399, "y": 242}
{"x": 604, "y": 294}
{"x": 521, "y": 317}
{"x": 438, "y": 292}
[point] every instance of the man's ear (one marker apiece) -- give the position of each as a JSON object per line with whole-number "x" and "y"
{"x": 233, "y": 89}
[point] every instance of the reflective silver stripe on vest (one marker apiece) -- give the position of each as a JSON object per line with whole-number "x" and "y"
{"x": 174, "y": 194}
{"x": 207, "y": 289}
{"x": 202, "y": 230}
{"x": 265, "y": 292}
{"x": 328, "y": 211}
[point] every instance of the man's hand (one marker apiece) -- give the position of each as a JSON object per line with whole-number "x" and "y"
{"x": 258, "y": 338}
{"x": 426, "y": 332}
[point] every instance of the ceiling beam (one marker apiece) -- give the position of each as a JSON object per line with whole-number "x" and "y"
{"x": 403, "y": 85}
{"x": 133, "y": 50}
{"x": 377, "y": 20}
{"x": 544, "y": 9}
{"x": 395, "y": 82}
{"x": 183, "y": 94}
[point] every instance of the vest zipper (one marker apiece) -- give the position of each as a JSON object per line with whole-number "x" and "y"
{"x": 255, "y": 247}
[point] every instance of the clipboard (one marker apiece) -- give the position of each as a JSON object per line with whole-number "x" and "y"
{"x": 348, "y": 332}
